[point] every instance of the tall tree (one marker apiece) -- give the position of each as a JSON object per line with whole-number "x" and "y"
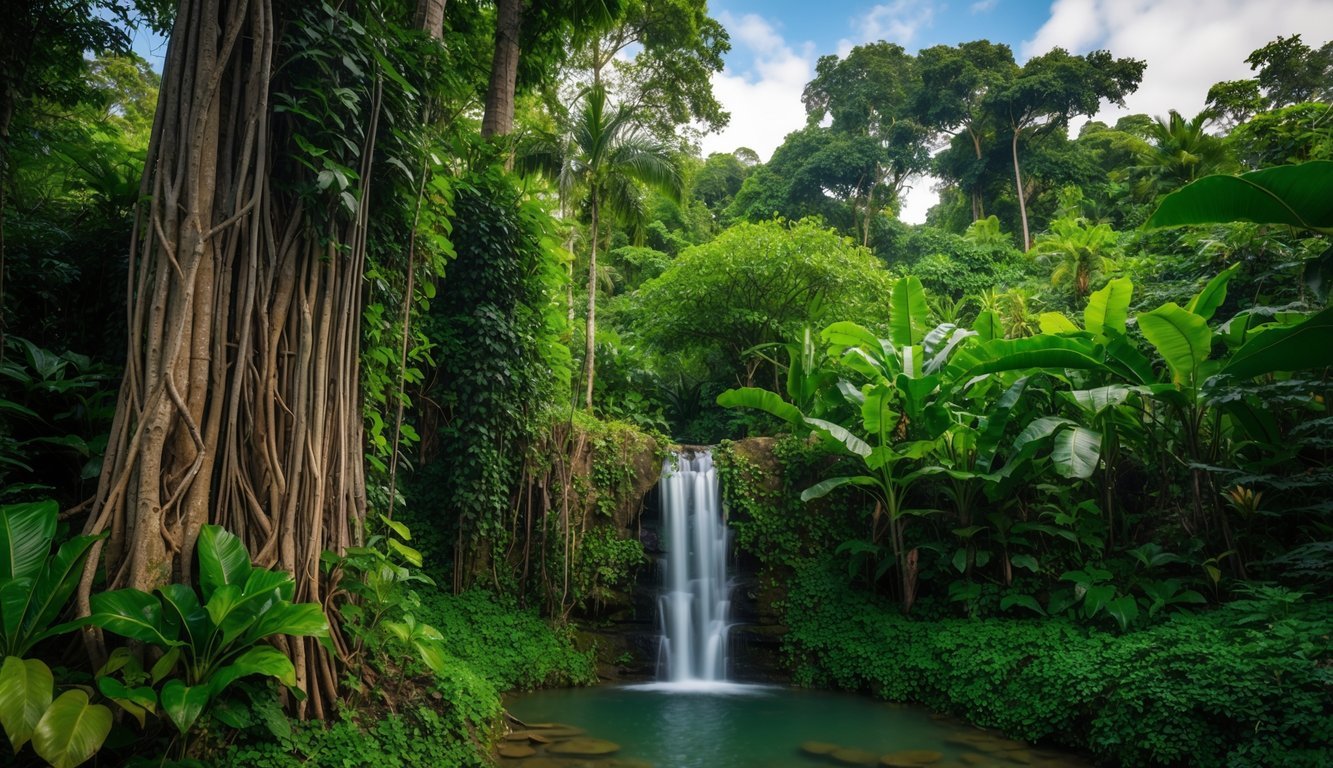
{"x": 870, "y": 95}
{"x": 956, "y": 82}
{"x": 1048, "y": 91}
{"x": 1178, "y": 152}
{"x": 240, "y": 403}
{"x": 602, "y": 155}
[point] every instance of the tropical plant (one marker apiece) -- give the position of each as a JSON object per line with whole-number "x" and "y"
{"x": 603, "y": 153}
{"x": 209, "y": 639}
{"x": 1178, "y": 152}
{"x": 1078, "y": 251}
{"x": 35, "y": 585}
{"x": 65, "y": 730}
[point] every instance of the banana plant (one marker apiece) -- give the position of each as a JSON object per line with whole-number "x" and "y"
{"x": 209, "y": 639}
{"x": 35, "y": 584}
{"x": 64, "y": 730}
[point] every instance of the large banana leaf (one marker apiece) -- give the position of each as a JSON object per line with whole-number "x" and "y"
{"x": 71, "y": 730}
{"x": 1298, "y": 195}
{"x": 823, "y": 488}
{"x": 1304, "y": 346}
{"x": 1181, "y": 337}
{"x": 997, "y": 419}
{"x": 908, "y": 314}
{"x": 1108, "y": 308}
{"x": 840, "y": 435}
{"x": 762, "y": 400}
{"x": 1056, "y": 323}
{"x": 26, "y": 532}
{"x": 1042, "y": 351}
{"x": 1076, "y": 451}
{"x": 987, "y": 325}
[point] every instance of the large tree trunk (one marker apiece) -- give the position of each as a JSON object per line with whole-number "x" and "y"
{"x": 498, "y": 119}
{"x": 240, "y": 401}
{"x": 590, "y": 332}
{"x": 430, "y": 17}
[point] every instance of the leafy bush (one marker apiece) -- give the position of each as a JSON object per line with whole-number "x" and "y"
{"x": 1245, "y": 685}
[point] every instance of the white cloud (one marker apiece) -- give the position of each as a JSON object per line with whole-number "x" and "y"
{"x": 1188, "y": 46}
{"x": 981, "y": 6}
{"x": 895, "y": 22}
{"x": 765, "y": 100}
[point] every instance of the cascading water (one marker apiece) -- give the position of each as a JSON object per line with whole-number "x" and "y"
{"x": 695, "y": 599}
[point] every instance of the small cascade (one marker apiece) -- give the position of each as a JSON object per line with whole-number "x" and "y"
{"x": 695, "y": 600}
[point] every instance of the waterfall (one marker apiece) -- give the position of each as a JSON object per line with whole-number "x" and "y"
{"x": 695, "y": 593}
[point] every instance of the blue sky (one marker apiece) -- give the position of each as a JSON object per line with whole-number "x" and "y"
{"x": 1188, "y": 45}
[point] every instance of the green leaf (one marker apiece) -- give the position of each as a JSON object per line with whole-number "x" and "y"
{"x": 138, "y": 702}
{"x": 1025, "y": 561}
{"x": 1213, "y": 294}
{"x": 823, "y": 488}
{"x": 876, "y": 415}
{"x": 1076, "y": 452}
{"x": 397, "y": 527}
{"x": 1023, "y": 601}
{"x": 960, "y": 559}
{"x": 133, "y": 614}
{"x": 763, "y": 400}
{"x": 1303, "y": 346}
{"x": 297, "y": 619}
{"x": 1056, "y": 323}
{"x": 184, "y": 603}
{"x": 908, "y": 314}
{"x": 53, "y": 588}
{"x": 25, "y": 693}
{"x": 987, "y": 325}
{"x": 1042, "y": 351}
{"x": 222, "y": 560}
{"x": 1098, "y": 399}
{"x": 26, "y": 532}
{"x": 1182, "y": 339}
{"x": 1297, "y": 195}
{"x": 184, "y": 703}
{"x": 1096, "y": 598}
{"x": 1125, "y": 611}
{"x": 409, "y": 554}
{"x": 72, "y": 730}
{"x": 997, "y": 420}
{"x": 261, "y": 660}
{"x": 1108, "y": 308}
{"x": 839, "y": 434}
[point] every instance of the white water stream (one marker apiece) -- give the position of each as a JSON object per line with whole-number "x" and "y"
{"x": 695, "y": 600}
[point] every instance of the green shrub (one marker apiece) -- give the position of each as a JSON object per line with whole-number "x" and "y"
{"x": 1208, "y": 689}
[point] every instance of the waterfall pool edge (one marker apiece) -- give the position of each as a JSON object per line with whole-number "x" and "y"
{"x": 671, "y": 726}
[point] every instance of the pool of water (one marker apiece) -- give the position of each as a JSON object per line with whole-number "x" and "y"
{"x": 749, "y": 727}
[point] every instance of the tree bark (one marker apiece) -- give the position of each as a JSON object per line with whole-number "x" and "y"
{"x": 498, "y": 119}
{"x": 430, "y": 17}
{"x": 1018, "y": 188}
{"x": 240, "y": 400}
{"x": 590, "y": 332}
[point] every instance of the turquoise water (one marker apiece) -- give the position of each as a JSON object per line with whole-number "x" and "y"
{"x": 753, "y": 727}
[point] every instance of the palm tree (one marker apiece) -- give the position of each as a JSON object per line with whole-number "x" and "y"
{"x": 598, "y": 161}
{"x": 1178, "y": 152}
{"x": 1078, "y": 249}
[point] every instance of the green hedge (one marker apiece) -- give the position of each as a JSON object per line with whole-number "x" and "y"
{"x": 495, "y": 645}
{"x": 1234, "y": 686}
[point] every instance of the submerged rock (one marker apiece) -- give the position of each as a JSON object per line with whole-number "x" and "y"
{"x": 584, "y": 747}
{"x": 850, "y": 756}
{"x": 909, "y": 758}
{"x": 818, "y": 747}
{"x": 516, "y": 750}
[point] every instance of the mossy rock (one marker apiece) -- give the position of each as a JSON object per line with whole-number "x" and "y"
{"x": 909, "y": 758}
{"x": 1018, "y": 756}
{"x": 516, "y": 750}
{"x": 818, "y": 747}
{"x": 557, "y": 730}
{"x": 972, "y": 758}
{"x": 849, "y": 756}
{"x": 584, "y": 746}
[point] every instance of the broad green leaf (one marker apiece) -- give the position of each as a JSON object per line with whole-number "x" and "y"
{"x": 222, "y": 560}
{"x": 841, "y": 435}
{"x": 762, "y": 400}
{"x": 1076, "y": 452}
{"x": 1182, "y": 339}
{"x": 1303, "y": 346}
{"x": 876, "y": 414}
{"x": 1096, "y": 400}
{"x": 1023, "y": 601}
{"x": 1297, "y": 195}
{"x": 823, "y": 488}
{"x": 298, "y": 619}
{"x": 1125, "y": 611}
{"x": 908, "y": 313}
{"x": 1025, "y": 561}
{"x": 960, "y": 559}
{"x": 25, "y": 693}
{"x": 1056, "y": 323}
{"x": 987, "y": 325}
{"x": 1206, "y": 302}
{"x": 397, "y": 527}
{"x": 1040, "y": 429}
{"x": 26, "y": 532}
{"x": 409, "y": 554}
{"x": 846, "y": 334}
{"x": 15, "y": 595}
{"x": 1042, "y": 351}
{"x": 163, "y": 666}
{"x": 997, "y": 420}
{"x": 260, "y": 660}
{"x": 72, "y": 730}
{"x": 55, "y": 585}
{"x": 1096, "y": 598}
{"x": 138, "y": 702}
{"x": 133, "y": 614}
{"x": 1108, "y": 308}
{"x": 194, "y": 618}
{"x": 184, "y": 703}
{"x": 1124, "y": 357}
